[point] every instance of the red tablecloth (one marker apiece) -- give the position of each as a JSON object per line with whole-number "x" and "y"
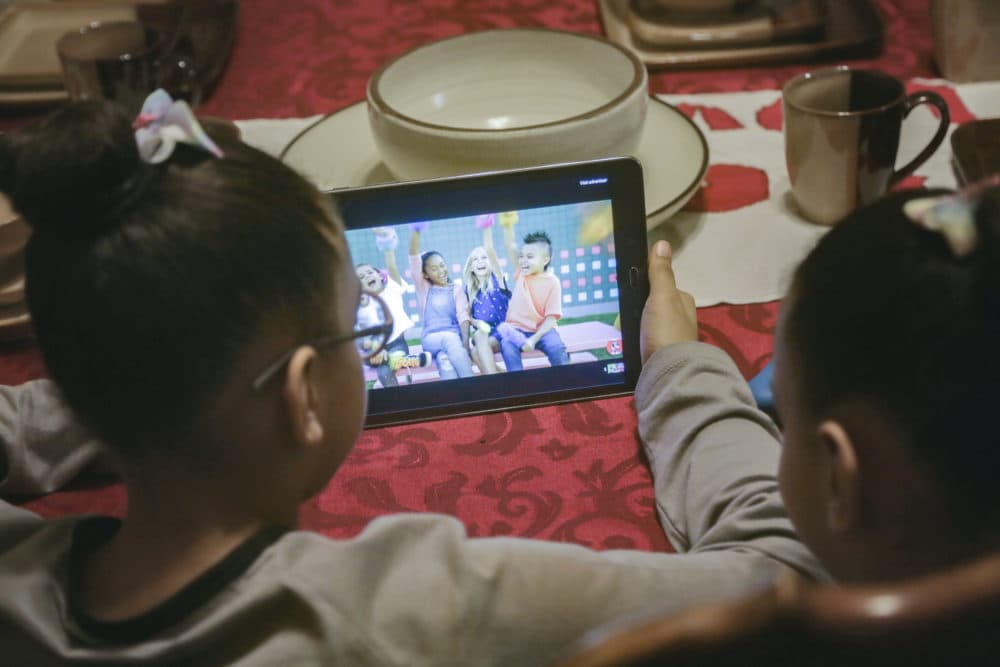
{"x": 572, "y": 472}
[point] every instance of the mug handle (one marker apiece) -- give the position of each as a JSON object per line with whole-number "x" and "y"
{"x": 912, "y": 102}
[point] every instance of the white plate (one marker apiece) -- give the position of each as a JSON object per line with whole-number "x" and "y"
{"x": 338, "y": 152}
{"x": 15, "y": 322}
{"x": 31, "y": 97}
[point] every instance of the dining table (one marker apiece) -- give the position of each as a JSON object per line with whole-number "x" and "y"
{"x": 569, "y": 472}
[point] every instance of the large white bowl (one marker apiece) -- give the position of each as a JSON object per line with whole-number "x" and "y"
{"x": 506, "y": 98}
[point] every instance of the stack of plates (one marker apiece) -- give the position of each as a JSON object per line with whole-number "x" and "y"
{"x": 751, "y": 22}
{"x": 14, "y": 232}
{"x": 753, "y": 31}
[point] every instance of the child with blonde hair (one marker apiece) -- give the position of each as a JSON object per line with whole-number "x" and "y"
{"x": 489, "y": 296}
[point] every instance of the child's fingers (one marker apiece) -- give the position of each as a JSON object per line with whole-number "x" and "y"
{"x": 661, "y": 267}
{"x": 669, "y": 315}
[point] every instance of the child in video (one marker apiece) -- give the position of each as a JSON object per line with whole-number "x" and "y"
{"x": 444, "y": 310}
{"x": 391, "y": 287}
{"x": 486, "y": 287}
{"x": 535, "y": 304}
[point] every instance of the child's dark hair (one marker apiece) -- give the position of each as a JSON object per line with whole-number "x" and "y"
{"x": 425, "y": 257}
{"x": 882, "y": 310}
{"x": 540, "y": 237}
{"x": 145, "y": 282}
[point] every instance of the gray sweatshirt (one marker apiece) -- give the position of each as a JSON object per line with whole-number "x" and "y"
{"x": 411, "y": 589}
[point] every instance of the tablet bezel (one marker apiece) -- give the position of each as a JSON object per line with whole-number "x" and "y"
{"x": 441, "y": 198}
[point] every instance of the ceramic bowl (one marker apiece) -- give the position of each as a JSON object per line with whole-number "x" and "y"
{"x": 501, "y": 99}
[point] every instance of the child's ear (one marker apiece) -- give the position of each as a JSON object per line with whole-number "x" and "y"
{"x": 843, "y": 492}
{"x": 302, "y": 397}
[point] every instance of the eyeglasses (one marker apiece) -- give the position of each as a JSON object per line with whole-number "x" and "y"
{"x": 372, "y": 327}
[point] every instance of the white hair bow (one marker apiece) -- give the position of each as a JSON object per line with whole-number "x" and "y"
{"x": 163, "y": 123}
{"x": 952, "y": 216}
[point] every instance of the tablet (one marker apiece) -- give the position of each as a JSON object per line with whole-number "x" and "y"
{"x": 508, "y": 289}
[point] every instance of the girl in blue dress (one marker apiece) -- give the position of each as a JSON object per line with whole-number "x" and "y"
{"x": 489, "y": 295}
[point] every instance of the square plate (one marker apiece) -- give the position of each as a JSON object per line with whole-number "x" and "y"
{"x": 755, "y": 23}
{"x": 851, "y": 25}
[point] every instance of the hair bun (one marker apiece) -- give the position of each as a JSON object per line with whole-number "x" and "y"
{"x": 70, "y": 173}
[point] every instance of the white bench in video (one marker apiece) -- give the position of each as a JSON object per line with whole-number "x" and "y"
{"x": 579, "y": 338}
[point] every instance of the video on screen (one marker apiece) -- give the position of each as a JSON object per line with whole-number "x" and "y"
{"x": 492, "y": 293}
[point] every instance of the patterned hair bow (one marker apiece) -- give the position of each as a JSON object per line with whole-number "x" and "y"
{"x": 163, "y": 123}
{"x": 952, "y": 216}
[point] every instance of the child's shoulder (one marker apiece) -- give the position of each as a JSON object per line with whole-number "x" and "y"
{"x": 547, "y": 276}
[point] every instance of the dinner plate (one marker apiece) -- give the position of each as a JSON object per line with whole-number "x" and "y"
{"x": 338, "y": 151}
{"x": 852, "y": 27}
{"x": 12, "y": 292}
{"x": 15, "y": 323}
{"x": 27, "y": 97}
{"x": 751, "y": 23}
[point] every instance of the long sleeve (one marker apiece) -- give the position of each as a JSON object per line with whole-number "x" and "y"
{"x": 502, "y": 601}
{"x": 42, "y": 445}
{"x": 714, "y": 457}
{"x": 414, "y": 589}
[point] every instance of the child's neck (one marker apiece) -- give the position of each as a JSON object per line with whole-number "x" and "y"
{"x": 175, "y": 531}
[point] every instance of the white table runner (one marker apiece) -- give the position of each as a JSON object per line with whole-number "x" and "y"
{"x": 746, "y": 254}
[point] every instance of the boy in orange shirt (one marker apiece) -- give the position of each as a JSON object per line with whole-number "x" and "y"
{"x": 535, "y": 306}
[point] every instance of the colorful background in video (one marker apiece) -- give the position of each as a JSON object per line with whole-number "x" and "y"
{"x": 588, "y": 274}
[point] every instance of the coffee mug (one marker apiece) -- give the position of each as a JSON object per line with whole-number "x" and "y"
{"x": 124, "y": 61}
{"x": 842, "y": 129}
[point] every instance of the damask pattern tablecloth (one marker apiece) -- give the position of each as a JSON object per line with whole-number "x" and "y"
{"x": 571, "y": 472}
